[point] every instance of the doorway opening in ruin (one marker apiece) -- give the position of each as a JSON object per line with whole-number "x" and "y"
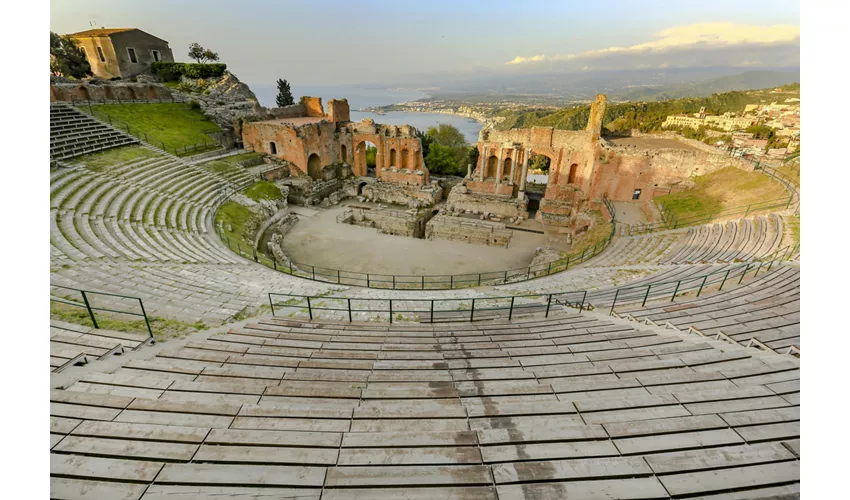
{"x": 393, "y": 159}
{"x": 343, "y": 154}
{"x": 314, "y": 167}
{"x": 506, "y": 170}
{"x": 404, "y": 158}
{"x": 360, "y": 188}
{"x": 492, "y": 166}
{"x": 536, "y": 181}
{"x": 636, "y": 194}
{"x": 365, "y": 159}
{"x": 273, "y": 148}
{"x": 573, "y": 173}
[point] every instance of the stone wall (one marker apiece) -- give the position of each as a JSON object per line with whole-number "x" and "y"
{"x": 443, "y": 227}
{"x": 461, "y": 199}
{"x": 110, "y": 91}
{"x": 397, "y": 194}
{"x": 624, "y": 170}
{"x": 395, "y": 222}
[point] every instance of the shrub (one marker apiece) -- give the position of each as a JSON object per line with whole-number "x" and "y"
{"x": 170, "y": 71}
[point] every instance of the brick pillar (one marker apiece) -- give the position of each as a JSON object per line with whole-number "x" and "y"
{"x": 483, "y": 158}
{"x": 524, "y": 174}
{"x": 500, "y": 165}
{"x": 514, "y": 159}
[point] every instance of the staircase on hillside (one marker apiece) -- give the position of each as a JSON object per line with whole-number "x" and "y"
{"x": 73, "y": 133}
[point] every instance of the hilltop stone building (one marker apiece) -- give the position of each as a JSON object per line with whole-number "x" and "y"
{"x": 121, "y": 52}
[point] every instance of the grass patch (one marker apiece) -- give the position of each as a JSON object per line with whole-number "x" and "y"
{"x": 263, "y": 190}
{"x": 163, "y": 328}
{"x": 228, "y": 164}
{"x": 104, "y": 160}
{"x": 174, "y": 125}
{"x": 234, "y": 219}
{"x": 241, "y": 157}
{"x": 723, "y": 190}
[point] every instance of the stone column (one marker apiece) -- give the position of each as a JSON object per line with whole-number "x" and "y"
{"x": 500, "y": 165}
{"x": 469, "y": 170}
{"x": 524, "y": 174}
{"x": 514, "y": 159}
{"x": 483, "y": 163}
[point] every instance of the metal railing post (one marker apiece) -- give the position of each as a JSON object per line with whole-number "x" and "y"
{"x": 349, "y": 311}
{"x": 724, "y": 280}
{"x": 744, "y": 274}
{"x": 616, "y": 294}
{"x": 648, "y": 288}
{"x": 88, "y": 308}
{"x": 472, "y": 312}
{"x": 391, "y": 311}
{"x": 338, "y": 280}
{"x": 548, "y": 305}
{"x": 271, "y": 303}
{"x": 702, "y": 285}
{"x": 583, "y": 299}
{"x": 432, "y": 310}
{"x": 393, "y": 281}
{"x": 678, "y": 283}
{"x": 758, "y": 269}
{"x": 506, "y": 277}
{"x": 274, "y": 262}
{"x": 147, "y": 323}
{"x": 309, "y": 308}
{"x": 451, "y": 282}
{"x": 511, "y": 311}
{"x": 368, "y": 282}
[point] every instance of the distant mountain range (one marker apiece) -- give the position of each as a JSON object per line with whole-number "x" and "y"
{"x": 742, "y": 81}
{"x": 628, "y": 85}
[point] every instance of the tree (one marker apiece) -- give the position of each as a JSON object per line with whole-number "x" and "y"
{"x": 67, "y": 57}
{"x": 200, "y": 54}
{"x": 371, "y": 156}
{"x": 284, "y": 94}
{"x": 447, "y": 149}
{"x": 443, "y": 160}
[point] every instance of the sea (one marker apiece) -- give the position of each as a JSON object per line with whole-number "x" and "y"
{"x": 365, "y": 97}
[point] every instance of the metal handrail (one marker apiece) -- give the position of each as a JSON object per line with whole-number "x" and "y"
{"x": 315, "y": 303}
{"x": 91, "y": 309}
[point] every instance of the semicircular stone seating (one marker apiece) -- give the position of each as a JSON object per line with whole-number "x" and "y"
{"x": 578, "y": 406}
{"x": 570, "y": 406}
{"x": 731, "y": 241}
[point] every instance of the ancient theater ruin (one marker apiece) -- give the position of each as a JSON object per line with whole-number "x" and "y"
{"x": 584, "y": 169}
{"x": 325, "y": 149}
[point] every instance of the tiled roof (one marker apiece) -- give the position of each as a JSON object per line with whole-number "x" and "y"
{"x": 101, "y": 32}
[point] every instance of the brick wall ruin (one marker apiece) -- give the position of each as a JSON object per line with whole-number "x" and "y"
{"x": 297, "y": 133}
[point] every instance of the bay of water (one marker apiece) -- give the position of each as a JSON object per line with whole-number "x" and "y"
{"x": 364, "y": 97}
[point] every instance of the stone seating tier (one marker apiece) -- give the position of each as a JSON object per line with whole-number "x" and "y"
{"x": 578, "y": 406}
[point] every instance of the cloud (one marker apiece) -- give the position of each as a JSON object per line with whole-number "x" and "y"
{"x": 703, "y": 37}
{"x": 520, "y": 60}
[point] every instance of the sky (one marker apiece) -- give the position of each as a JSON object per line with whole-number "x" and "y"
{"x": 371, "y": 41}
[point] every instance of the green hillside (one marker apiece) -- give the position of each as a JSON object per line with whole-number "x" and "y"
{"x": 646, "y": 116}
